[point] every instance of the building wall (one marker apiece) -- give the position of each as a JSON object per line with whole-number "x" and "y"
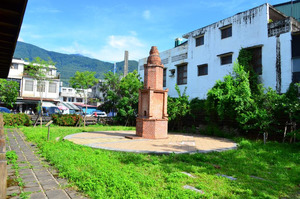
{"x": 249, "y": 29}
{"x": 68, "y": 94}
{"x": 36, "y": 93}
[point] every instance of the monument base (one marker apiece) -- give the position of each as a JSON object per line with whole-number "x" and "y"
{"x": 152, "y": 128}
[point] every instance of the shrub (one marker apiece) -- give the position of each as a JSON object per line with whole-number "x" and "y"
{"x": 20, "y": 119}
{"x": 66, "y": 120}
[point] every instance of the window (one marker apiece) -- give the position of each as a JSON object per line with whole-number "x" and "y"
{"x": 256, "y": 60}
{"x": 226, "y": 32}
{"x": 165, "y": 78}
{"x": 64, "y": 90}
{"x": 202, "y": 69}
{"x": 28, "y": 85}
{"x": 226, "y": 59}
{"x": 41, "y": 87}
{"x": 70, "y": 90}
{"x": 182, "y": 74}
{"x": 65, "y": 99}
{"x": 200, "y": 40}
{"x": 79, "y": 100}
{"x": 52, "y": 87}
{"x": 15, "y": 66}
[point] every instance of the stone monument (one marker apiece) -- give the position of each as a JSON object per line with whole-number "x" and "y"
{"x": 152, "y": 120}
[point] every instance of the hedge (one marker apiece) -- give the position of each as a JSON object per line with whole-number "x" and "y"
{"x": 19, "y": 119}
{"x": 66, "y": 120}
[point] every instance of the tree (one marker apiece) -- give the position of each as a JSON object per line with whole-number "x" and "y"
{"x": 38, "y": 69}
{"x": 121, "y": 95}
{"x": 178, "y": 107}
{"x": 81, "y": 81}
{"x": 110, "y": 88}
{"x": 8, "y": 92}
{"x": 127, "y": 105}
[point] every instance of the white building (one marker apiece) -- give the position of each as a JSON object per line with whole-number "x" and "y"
{"x": 211, "y": 51}
{"x": 29, "y": 91}
{"x": 68, "y": 94}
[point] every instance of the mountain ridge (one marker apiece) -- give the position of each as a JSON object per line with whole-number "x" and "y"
{"x": 68, "y": 64}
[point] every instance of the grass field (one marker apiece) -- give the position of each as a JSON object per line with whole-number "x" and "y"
{"x": 261, "y": 171}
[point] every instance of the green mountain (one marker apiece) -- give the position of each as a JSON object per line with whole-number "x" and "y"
{"x": 68, "y": 64}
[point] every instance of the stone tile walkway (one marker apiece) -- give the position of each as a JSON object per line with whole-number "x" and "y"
{"x": 175, "y": 143}
{"x": 38, "y": 176}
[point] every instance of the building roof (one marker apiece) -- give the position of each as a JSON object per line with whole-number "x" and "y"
{"x": 11, "y": 17}
{"x": 69, "y": 105}
{"x": 84, "y": 105}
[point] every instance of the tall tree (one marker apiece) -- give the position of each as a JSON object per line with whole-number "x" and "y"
{"x": 8, "y": 92}
{"x": 38, "y": 69}
{"x": 110, "y": 88}
{"x": 122, "y": 95}
{"x": 81, "y": 81}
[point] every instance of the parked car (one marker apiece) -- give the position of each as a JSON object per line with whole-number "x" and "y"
{"x": 99, "y": 114}
{"x": 4, "y": 110}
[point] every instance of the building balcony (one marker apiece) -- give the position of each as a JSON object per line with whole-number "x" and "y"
{"x": 283, "y": 26}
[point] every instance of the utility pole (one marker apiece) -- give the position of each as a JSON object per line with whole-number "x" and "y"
{"x": 125, "y": 63}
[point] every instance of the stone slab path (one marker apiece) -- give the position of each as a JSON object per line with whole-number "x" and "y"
{"x": 39, "y": 177}
{"x": 175, "y": 143}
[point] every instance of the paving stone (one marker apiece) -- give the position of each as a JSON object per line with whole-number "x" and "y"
{"x": 12, "y": 190}
{"x": 193, "y": 189}
{"x": 56, "y": 194}
{"x": 229, "y": 177}
{"x": 26, "y": 180}
{"x": 32, "y": 184}
{"x": 46, "y": 179}
{"x": 50, "y": 186}
{"x": 188, "y": 174}
{"x": 37, "y": 196}
{"x": 31, "y": 189}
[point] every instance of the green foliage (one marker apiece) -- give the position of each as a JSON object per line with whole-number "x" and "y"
{"x": 67, "y": 65}
{"x": 127, "y": 105}
{"x": 262, "y": 171}
{"x": 110, "y": 88}
{"x": 81, "y": 81}
{"x": 178, "y": 107}
{"x": 230, "y": 100}
{"x": 11, "y": 157}
{"x": 19, "y": 119}
{"x": 9, "y": 91}
{"x": 244, "y": 59}
{"x": 121, "y": 95}
{"x": 66, "y": 120}
{"x": 38, "y": 69}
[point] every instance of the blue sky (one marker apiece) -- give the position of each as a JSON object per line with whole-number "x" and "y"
{"x": 105, "y": 29}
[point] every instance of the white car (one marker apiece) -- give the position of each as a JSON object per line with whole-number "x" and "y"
{"x": 99, "y": 114}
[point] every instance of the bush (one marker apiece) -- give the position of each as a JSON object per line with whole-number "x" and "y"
{"x": 66, "y": 120}
{"x": 20, "y": 119}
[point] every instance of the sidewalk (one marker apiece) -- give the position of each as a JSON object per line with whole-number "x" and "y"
{"x": 40, "y": 178}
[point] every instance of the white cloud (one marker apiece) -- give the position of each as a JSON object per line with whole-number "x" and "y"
{"x": 113, "y": 50}
{"x": 20, "y": 39}
{"x": 147, "y": 14}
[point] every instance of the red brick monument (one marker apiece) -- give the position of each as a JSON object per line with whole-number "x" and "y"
{"x": 152, "y": 120}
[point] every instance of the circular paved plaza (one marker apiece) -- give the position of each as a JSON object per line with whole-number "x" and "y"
{"x": 175, "y": 143}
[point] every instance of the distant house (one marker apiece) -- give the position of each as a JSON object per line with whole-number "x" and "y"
{"x": 210, "y": 52}
{"x": 68, "y": 94}
{"x": 29, "y": 92}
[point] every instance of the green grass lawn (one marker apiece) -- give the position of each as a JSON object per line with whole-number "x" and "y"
{"x": 107, "y": 174}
